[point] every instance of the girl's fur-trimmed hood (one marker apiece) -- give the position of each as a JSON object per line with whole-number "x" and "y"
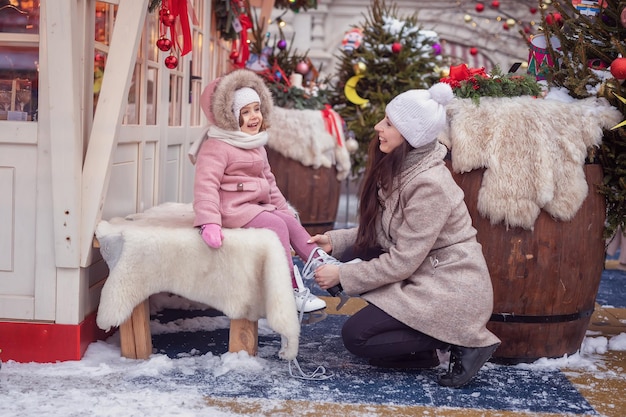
{"x": 217, "y": 99}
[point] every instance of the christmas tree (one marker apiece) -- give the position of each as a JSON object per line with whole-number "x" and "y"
{"x": 381, "y": 58}
{"x": 586, "y": 40}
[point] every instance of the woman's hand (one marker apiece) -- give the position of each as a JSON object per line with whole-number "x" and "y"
{"x": 327, "y": 276}
{"x": 323, "y": 242}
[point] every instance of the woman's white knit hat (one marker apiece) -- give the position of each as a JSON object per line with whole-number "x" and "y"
{"x": 420, "y": 115}
{"x": 243, "y": 97}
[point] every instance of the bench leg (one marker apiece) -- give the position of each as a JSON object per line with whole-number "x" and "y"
{"x": 135, "y": 337}
{"x": 244, "y": 335}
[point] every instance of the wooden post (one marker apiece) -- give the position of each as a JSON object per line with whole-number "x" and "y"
{"x": 135, "y": 337}
{"x": 108, "y": 117}
{"x": 266, "y": 10}
{"x": 244, "y": 335}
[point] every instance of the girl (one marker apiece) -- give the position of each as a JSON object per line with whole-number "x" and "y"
{"x": 234, "y": 186}
{"x": 427, "y": 283}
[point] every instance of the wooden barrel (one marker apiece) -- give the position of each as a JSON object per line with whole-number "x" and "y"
{"x": 545, "y": 281}
{"x": 314, "y": 192}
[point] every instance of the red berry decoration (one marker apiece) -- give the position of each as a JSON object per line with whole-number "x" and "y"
{"x": 480, "y": 7}
{"x": 618, "y": 68}
{"x": 396, "y": 47}
{"x": 473, "y": 51}
{"x": 533, "y": 10}
{"x": 554, "y": 19}
{"x": 171, "y": 62}
{"x": 164, "y": 44}
{"x": 495, "y": 4}
{"x": 505, "y": 26}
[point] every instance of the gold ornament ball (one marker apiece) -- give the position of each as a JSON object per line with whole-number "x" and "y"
{"x": 510, "y": 22}
{"x": 467, "y": 18}
{"x": 359, "y": 68}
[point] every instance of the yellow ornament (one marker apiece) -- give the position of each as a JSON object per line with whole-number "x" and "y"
{"x": 467, "y": 18}
{"x": 350, "y": 91}
{"x": 510, "y": 22}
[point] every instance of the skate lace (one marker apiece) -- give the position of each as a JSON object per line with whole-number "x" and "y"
{"x": 319, "y": 374}
{"x": 316, "y": 259}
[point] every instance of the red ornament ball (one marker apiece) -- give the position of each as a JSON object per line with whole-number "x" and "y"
{"x": 480, "y": 7}
{"x": 495, "y": 4}
{"x": 505, "y": 26}
{"x": 168, "y": 19}
{"x": 302, "y": 68}
{"x": 533, "y": 10}
{"x": 618, "y": 68}
{"x": 171, "y": 62}
{"x": 396, "y": 47}
{"x": 164, "y": 12}
{"x": 164, "y": 44}
{"x": 473, "y": 51}
{"x": 282, "y": 44}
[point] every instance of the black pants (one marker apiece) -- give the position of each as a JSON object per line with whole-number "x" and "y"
{"x": 372, "y": 333}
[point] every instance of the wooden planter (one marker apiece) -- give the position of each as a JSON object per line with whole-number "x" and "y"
{"x": 545, "y": 281}
{"x": 314, "y": 192}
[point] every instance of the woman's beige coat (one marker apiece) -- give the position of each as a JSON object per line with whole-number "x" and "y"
{"x": 433, "y": 275}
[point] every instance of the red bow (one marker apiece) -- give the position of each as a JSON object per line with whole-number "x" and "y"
{"x": 463, "y": 72}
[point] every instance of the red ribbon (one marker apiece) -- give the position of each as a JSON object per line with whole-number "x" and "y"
{"x": 180, "y": 10}
{"x": 331, "y": 123}
{"x": 240, "y": 50}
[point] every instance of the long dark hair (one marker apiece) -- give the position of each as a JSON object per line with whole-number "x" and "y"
{"x": 380, "y": 171}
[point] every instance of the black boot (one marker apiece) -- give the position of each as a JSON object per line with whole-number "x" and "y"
{"x": 464, "y": 364}
{"x": 417, "y": 360}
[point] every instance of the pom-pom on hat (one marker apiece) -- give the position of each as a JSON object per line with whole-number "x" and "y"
{"x": 420, "y": 115}
{"x": 243, "y": 97}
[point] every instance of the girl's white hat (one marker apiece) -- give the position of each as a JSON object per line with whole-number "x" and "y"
{"x": 420, "y": 115}
{"x": 243, "y": 97}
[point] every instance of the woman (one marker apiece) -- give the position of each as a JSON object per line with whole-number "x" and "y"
{"x": 427, "y": 283}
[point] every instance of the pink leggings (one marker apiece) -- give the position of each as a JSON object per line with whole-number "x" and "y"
{"x": 290, "y": 233}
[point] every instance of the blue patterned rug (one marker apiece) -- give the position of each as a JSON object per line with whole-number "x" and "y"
{"x": 497, "y": 387}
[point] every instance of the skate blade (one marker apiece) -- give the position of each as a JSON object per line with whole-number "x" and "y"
{"x": 343, "y": 299}
{"x": 314, "y": 317}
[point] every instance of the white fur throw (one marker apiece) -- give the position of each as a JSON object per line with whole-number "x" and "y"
{"x": 302, "y": 135}
{"x": 533, "y": 151}
{"x": 160, "y": 251}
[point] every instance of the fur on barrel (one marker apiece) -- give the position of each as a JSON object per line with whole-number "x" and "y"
{"x": 303, "y": 135}
{"x": 533, "y": 151}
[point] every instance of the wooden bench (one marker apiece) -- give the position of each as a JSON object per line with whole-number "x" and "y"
{"x": 136, "y": 339}
{"x": 143, "y": 251}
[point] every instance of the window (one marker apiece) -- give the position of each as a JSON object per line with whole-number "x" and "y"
{"x": 19, "y": 59}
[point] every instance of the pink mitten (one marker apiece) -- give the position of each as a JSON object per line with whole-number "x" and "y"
{"x": 212, "y": 235}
